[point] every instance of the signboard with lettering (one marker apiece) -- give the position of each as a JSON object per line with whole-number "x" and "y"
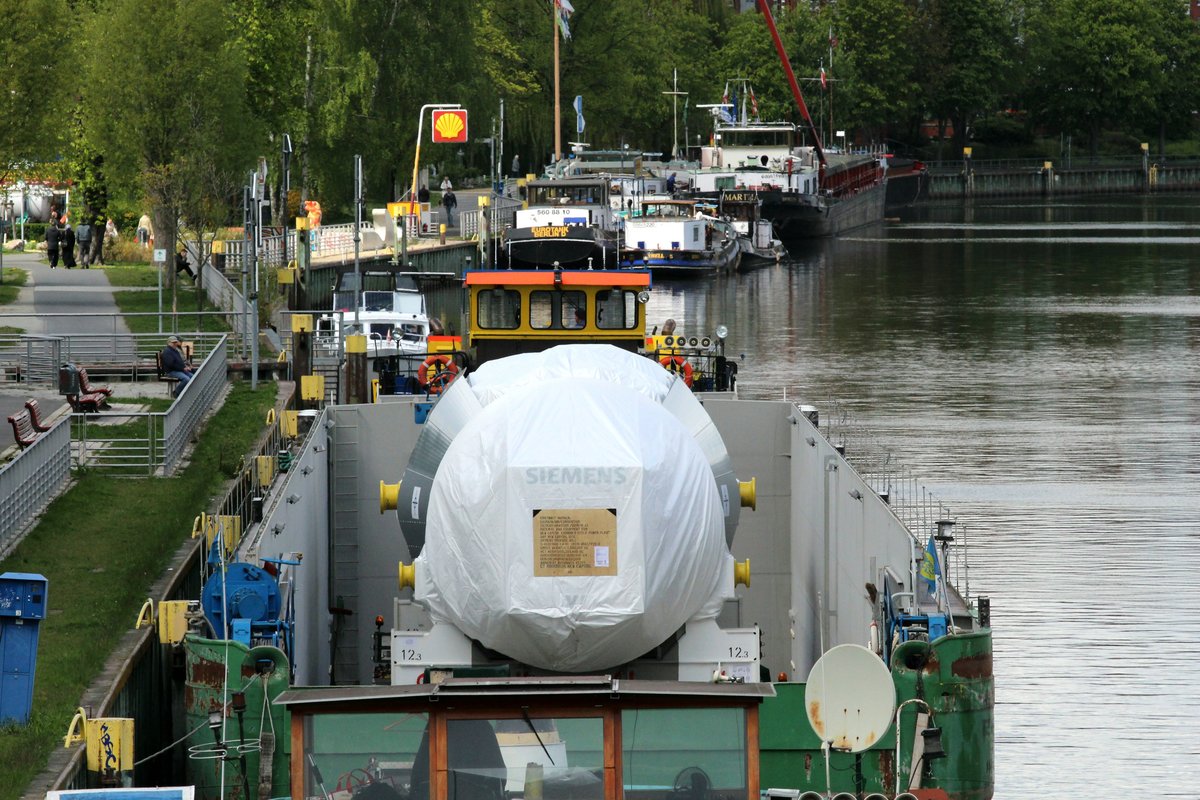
{"x": 574, "y": 541}
{"x": 450, "y": 125}
{"x": 549, "y": 231}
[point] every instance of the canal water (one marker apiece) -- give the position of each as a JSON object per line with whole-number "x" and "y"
{"x": 1038, "y": 366}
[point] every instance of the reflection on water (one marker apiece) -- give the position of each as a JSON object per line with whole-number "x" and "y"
{"x": 1044, "y": 378}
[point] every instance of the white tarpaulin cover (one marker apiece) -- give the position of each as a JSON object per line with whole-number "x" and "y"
{"x": 574, "y": 524}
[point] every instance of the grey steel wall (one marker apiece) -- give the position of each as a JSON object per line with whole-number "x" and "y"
{"x": 33, "y": 479}
{"x": 296, "y": 521}
{"x": 811, "y": 503}
{"x": 369, "y": 443}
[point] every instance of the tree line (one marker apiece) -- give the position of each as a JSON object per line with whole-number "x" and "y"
{"x": 168, "y": 103}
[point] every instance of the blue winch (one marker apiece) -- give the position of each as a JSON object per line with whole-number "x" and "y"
{"x": 248, "y": 598}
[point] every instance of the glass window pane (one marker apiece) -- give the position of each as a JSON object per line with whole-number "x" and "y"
{"x": 541, "y": 310}
{"x": 689, "y": 753}
{"x": 616, "y": 310}
{"x": 573, "y": 309}
{"x": 356, "y": 749}
{"x": 499, "y": 308}
{"x": 508, "y": 758}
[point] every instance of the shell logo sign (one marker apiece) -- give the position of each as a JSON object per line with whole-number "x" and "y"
{"x": 450, "y": 126}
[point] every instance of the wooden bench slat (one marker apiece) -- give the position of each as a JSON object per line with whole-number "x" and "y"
{"x": 35, "y": 416}
{"x": 23, "y": 430}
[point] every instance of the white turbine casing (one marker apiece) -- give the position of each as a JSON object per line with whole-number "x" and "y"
{"x": 565, "y": 431}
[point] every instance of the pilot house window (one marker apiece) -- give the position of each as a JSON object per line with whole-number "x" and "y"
{"x": 617, "y": 310}
{"x": 499, "y": 308}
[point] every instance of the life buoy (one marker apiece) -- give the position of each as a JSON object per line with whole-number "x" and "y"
{"x": 678, "y": 364}
{"x": 430, "y": 373}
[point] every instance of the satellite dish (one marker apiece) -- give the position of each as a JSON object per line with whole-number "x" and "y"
{"x": 850, "y": 698}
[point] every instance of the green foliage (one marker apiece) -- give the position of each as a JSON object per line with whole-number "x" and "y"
{"x": 1096, "y": 62}
{"x": 33, "y": 67}
{"x": 183, "y": 112}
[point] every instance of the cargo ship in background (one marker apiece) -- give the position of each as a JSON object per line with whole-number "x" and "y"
{"x": 584, "y": 569}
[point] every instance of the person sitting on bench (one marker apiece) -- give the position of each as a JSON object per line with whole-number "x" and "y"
{"x": 174, "y": 365}
{"x": 182, "y": 265}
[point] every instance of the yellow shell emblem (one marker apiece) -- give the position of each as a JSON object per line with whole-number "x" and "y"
{"x": 449, "y": 126}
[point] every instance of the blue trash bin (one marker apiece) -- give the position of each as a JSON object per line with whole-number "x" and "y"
{"x": 22, "y": 608}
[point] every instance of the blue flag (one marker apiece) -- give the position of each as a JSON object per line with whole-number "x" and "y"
{"x": 931, "y": 567}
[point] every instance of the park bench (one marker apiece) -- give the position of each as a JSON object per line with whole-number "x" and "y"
{"x": 23, "y": 430}
{"x": 86, "y": 387}
{"x": 35, "y": 416}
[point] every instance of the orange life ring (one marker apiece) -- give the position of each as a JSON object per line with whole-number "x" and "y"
{"x": 430, "y": 373}
{"x": 678, "y": 364}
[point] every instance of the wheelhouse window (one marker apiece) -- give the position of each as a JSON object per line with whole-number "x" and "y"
{"x": 555, "y": 758}
{"x": 352, "y": 750}
{"x": 541, "y": 310}
{"x": 498, "y": 308}
{"x": 573, "y": 310}
{"x": 684, "y": 753}
{"x": 557, "y": 309}
{"x": 617, "y": 309}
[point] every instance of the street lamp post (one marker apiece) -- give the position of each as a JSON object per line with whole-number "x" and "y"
{"x": 417, "y": 155}
{"x": 5, "y": 223}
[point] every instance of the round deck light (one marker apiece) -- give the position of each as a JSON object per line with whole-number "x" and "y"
{"x": 722, "y": 332}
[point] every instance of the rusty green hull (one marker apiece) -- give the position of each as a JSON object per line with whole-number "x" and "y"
{"x": 953, "y": 675}
{"x": 261, "y": 673}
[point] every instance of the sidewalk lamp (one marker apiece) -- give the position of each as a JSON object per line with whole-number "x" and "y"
{"x": 6, "y": 215}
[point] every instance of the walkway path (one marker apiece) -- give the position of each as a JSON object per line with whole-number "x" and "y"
{"x": 55, "y": 291}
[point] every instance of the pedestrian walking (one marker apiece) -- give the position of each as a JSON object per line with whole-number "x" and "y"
{"x": 145, "y": 230}
{"x": 516, "y": 166}
{"x": 68, "y": 246}
{"x": 450, "y": 202}
{"x": 110, "y": 238}
{"x": 53, "y": 239}
{"x": 83, "y": 235}
{"x": 446, "y": 185}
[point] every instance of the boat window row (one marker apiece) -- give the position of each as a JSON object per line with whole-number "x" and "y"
{"x": 664, "y": 754}
{"x": 568, "y": 195}
{"x": 554, "y": 309}
{"x": 758, "y": 137}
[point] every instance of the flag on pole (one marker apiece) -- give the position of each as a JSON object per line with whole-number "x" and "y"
{"x": 931, "y": 567}
{"x": 564, "y": 10}
{"x": 824, "y": 85}
{"x": 753, "y": 103}
{"x": 579, "y": 122}
{"x": 726, "y": 113}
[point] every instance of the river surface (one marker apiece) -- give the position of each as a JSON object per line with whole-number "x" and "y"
{"x": 1038, "y": 366}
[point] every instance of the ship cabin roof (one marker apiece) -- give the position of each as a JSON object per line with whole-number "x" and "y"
{"x": 522, "y": 311}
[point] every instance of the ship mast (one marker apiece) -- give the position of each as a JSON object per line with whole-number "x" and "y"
{"x": 765, "y": 8}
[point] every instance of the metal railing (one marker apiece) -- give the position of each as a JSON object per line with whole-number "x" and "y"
{"x": 150, "y": 443}
{"x": 911, "y": 502}
{"x": 277, "y": 251}
{"x": 224, "y": 295}
{"x": 31, "y": 480}
{"x": 34, "y": 359}
{"x": 505, "y": 216}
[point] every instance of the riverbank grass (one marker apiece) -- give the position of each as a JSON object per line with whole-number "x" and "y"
{"x": 102, "y": 545}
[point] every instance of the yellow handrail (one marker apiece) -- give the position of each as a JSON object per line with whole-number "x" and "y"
{"x": 75, "y": 731}
{"x": 144, "y": 618}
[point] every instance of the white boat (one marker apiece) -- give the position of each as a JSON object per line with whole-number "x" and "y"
{"x": 677, "y": 237}
{"x": 390, "y": 313}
